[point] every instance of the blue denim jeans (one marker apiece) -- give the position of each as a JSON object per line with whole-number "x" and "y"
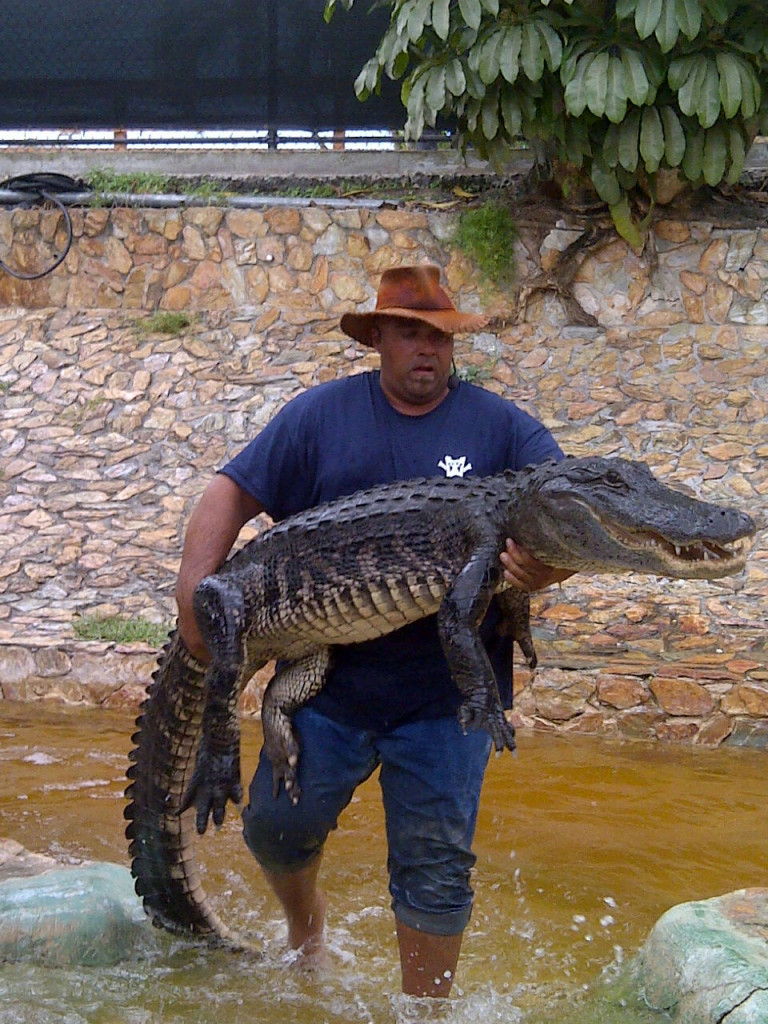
{"x": 431, "y": 776}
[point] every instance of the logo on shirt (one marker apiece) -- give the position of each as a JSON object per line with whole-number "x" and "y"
{"x": 454, "y": 467}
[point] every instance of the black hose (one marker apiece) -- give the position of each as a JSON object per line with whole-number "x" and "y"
{"x": 42, "y": 188}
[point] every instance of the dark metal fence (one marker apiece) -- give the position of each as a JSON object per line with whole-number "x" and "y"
{"x": 194, "y": 64}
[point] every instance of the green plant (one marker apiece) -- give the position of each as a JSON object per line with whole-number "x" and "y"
{"x": 208, "y": 191}
{"x": 165, "y": 322}
{"x": 120, "y": 630}
{"x": 473, "y": 374}
{"x": 106, "y": 180}
{"x": 623, "y": 89}
{"x": 487, "y": 235}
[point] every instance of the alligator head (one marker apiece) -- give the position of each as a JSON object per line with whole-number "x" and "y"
{"x": 613, "y": 515}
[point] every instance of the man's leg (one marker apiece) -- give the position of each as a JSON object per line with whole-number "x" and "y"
{"x": 287, "y": 840}
{"x": 427, "y": 962}
{"x": 431, "y": 777}
{"x": 303, "y": 904}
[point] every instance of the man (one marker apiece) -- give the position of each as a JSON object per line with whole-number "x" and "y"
{"x": 388, "y": 703}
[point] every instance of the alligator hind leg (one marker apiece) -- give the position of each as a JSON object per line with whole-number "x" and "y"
{"x": 291, "y": 686}
{"x": 515, "y": 606}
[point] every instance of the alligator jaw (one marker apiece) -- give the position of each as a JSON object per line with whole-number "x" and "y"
{"x": 704, "y": 559}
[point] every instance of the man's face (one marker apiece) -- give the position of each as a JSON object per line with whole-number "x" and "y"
{"x": 415, "y": 363}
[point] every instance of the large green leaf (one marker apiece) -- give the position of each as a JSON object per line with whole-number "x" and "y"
{"x": 606, "y": 183}
{"x": 472, "y": 12}
{"x": 647, "y": 14}
{"x": 412, "y": 97}
{"x": 552, "y": 45}
{"x": 651, "y": 139}
{"x": 611, "y": 146}
{"x": 750, "y": 90}
{"x": 577, "y": 142}
{"x": 368, "y": 79}
{"x": 575, "y": 91}
{"x": 627, "y": 179}
{"x": 489, "y": 115}
{"x": 399, "y": 65}
{"x": 475, "y": 86}
{"x": 730, "y": 88}
{"x": 489, "y": 63}
{"x": 625, "y": 8}
{"x": 679, "y": 70}
{"x": 412, "y": 17}
{"x": 674, "y": 136}
{"x": 636, "y": 84}
{"x": 492, "y": 6}
{"x": 689, "y": 93}
{"x": 596, "y": 84}
{"x": 511, "y": 114}
{"x": 708, "y": 107}
{"x": 688, "y": 15}
{"x": 718, "y": 10}
{"x": 667, "y": 30}
{"x": 629, "y": 140}
{"x": 616, "y": 91}
{"x": 694, "y": 153}
{"x": 441, "y": 17}
{"x": 509, "y": 54}
{"x": 455, "y": 79}
{"x": 531, "y": 53}
{"x": 434, "y": 93}
{"x": 738, "y": 154}
{"x": 571, "y": 55}
{"x": 715, "y": 155}
{"x": 621, "y": 213}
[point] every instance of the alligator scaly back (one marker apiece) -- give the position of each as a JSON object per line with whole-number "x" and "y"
{"x": 163, "y": 863}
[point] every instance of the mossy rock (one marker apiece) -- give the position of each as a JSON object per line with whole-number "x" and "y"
{"x": 707, "y": 961}
{"x": 87, "y": 915}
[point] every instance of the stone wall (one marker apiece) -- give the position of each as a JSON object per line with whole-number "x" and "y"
{"x": 109, "y": 433}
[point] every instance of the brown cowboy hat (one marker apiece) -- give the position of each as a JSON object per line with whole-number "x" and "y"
{"x": 412, "y": 293}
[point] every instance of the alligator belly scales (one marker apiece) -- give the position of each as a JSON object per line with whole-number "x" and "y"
{"x": 359, "y": 568}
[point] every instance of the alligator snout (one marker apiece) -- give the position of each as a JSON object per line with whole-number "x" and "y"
{"x": 733, "y": 524}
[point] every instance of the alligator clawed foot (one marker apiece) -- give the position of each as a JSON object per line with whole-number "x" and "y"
{"x": 286, "y": 771}
{"x": 473, "y": 717}
{"x": 215, "y": 780}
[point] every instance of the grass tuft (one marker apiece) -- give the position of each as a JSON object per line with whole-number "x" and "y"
{"x": 487, "y": 235}
{"x": 165, "y": 322}
{"x": 119, "y": 630}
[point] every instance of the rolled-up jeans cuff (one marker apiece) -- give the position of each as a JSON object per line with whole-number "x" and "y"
{"x": 453, "y": 922}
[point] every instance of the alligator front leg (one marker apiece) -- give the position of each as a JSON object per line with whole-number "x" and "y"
{"x": 291, "y": 686}
{"x": 461, "y": 612}
{"x": 220, "y": 614}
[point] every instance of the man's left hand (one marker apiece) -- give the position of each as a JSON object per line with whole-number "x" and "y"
{"x": 523, "y": 571}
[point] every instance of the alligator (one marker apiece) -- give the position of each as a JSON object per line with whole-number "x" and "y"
{"x": 359, "y": 568}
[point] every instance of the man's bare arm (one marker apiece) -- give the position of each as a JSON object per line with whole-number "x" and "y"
{"x": 213, "y": 528}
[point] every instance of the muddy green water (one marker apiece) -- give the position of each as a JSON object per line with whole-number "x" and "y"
{"x": 581, "y": 844}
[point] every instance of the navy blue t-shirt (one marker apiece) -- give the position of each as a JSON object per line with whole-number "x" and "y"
{"x": 344, "y": 436}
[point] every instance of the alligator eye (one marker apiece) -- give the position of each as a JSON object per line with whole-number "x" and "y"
{"x": 614, "y": 479}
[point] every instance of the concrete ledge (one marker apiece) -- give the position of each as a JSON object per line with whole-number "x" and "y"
{"x": 253, "y": 163}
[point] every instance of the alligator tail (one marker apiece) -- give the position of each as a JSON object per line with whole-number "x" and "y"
{"x": 162, "y": 842}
